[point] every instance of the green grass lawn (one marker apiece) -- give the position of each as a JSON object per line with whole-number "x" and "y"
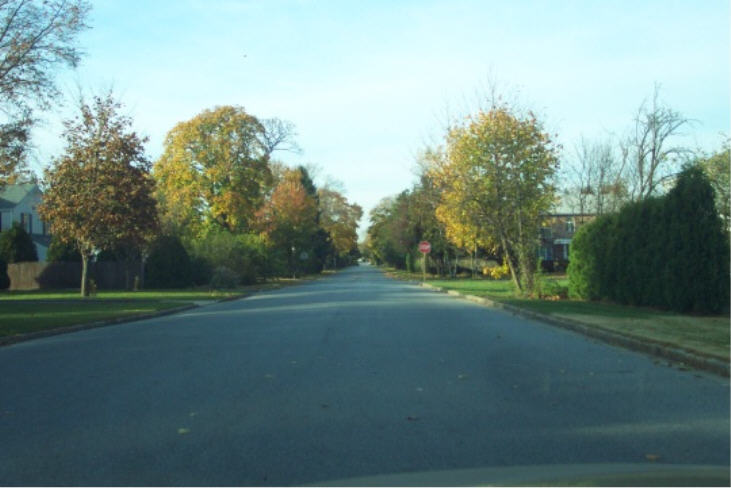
{"x": 20, "y": 317}
{"x": 707, "y": 335}
{"x": 30, "y": 311}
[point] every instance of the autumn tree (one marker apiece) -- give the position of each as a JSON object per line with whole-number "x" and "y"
{"x": 36, "y": 38}
{"x": 454, "y": 220}
{"x": 339, "y": 219}
{"x": 497, "y": 182}
{"x": 214, "y": 170}
{"x": 288, "y": 220}
{"x": 99, "y": 192}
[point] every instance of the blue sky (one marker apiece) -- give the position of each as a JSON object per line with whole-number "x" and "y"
{"x": 368, "y": 83}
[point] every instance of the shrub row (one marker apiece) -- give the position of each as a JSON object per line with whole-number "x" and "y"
{"x": 669, "y": 252}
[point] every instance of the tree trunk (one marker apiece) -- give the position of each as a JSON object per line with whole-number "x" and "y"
{"x": 508, "y": 259}
{"x": 472, "y": 259}
{"x": 84, "y": 275}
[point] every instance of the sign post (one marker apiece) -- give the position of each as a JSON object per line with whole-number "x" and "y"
{"x": 424, "y": 248}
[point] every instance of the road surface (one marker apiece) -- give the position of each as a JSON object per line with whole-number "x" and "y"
{"x": 349, "y": 376}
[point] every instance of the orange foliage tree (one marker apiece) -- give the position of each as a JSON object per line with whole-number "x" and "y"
{"x": 288, "y": 219}
{"x": 99, "y": 192}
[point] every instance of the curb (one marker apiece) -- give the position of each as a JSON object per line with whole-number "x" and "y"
{"x": 664, "y": 351}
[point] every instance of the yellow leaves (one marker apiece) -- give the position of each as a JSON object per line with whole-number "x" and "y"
{"x": 214, "y": 167}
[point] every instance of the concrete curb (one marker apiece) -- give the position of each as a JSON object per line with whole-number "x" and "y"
{"x": 657, "y": 349}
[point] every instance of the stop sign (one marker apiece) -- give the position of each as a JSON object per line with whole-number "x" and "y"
{"x": 425, "y": 247}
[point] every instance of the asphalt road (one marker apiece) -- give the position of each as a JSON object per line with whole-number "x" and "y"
{"x": 349, "y": 376}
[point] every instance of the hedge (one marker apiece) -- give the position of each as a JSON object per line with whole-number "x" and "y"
{"x": 669, "y": 252}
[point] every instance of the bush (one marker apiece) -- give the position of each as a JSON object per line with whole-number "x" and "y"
{"x": 588, "y": 259}
{"x": 244, "y": 254}
{"x": 168, "y": 265}
{"x": 497, "y": 272}
{"x": 669, "y": 252}
{"x": 4, "y": 280}
{"x": 62, "y": 252}
{"x": 224, "y": 278}
{"x": 551, "y": 289}
{"x": 16, "y": 245}
{"x": 201, "y": 270}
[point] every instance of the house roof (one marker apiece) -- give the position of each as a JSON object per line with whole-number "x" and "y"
{"x": 12, "y": 195}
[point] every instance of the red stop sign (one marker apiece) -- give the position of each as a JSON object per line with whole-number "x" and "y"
{"x": 425, "y": 247}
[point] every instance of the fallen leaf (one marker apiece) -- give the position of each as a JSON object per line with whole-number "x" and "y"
{"x": 652, "y": 457}
{"x": 183, "y": 431}
{"x": 461, "y": 376}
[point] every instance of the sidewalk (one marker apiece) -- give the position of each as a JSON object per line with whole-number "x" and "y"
{"x": 664, "y": 351}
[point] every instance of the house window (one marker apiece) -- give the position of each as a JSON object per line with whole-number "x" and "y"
{"x": 546, "y": 232}
{"x": 570, "y": 226}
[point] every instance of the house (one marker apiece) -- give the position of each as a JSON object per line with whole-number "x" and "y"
{"x": 556, "y": 233}
{"x": 18, "y": 203}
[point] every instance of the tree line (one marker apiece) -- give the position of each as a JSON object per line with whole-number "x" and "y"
{"x": 493, "y": 180}
{"x": 216, "y": 208}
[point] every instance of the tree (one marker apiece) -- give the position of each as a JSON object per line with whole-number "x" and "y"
{"x": 497, "y": 182}
{"x": 340, "y": 220}
{"x": 288, "y": 219}
{"x": 717, "y": 168}
{"x": 214, "y": 169}
{"x": 279, "y": 135}
{"x": 99, "y": 192}
{"x": 59, "y": 251}
{"x": 36, "y": 38}
{"x": 16, "y": 245}
{"x": 599, "y": 185}
{"x": 646, "y": 152}
{"x": 168, "y": 265}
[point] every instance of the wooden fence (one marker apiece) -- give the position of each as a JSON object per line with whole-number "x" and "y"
{"x": 106, "y": 275}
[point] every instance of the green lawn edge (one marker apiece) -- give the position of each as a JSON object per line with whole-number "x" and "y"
{"x": 34, "y": 311}
{"x": 702, "y": 335}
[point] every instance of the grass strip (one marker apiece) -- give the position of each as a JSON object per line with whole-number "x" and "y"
{"x": 26, "y": 317}
{"x": 22, "y": 312}
{"x": 705, "y": 335}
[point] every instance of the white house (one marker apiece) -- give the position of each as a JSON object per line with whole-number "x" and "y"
{"x": 18, "y": 203}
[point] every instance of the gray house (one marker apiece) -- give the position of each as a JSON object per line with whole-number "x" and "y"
{"x": 18, "y": 203}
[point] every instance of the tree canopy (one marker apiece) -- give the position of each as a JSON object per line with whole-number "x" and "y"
{"x": 214, "y": 170}
{"x": 497, "y": 185}
{"x": 99, "y": 192}
{"x": 36, "y": 38}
